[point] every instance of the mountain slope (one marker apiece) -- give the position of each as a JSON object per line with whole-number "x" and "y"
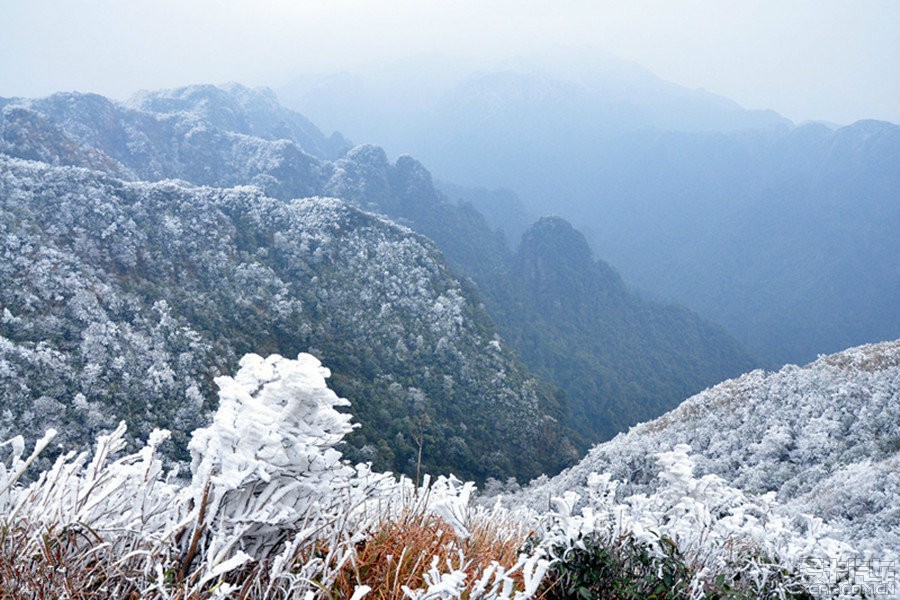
{"x": 203, "y": 134}
{"x": 783, "y": 234}
{"x": 620, "y": 358}
{"x": 824, "y": 437}
{"x": 124, "y": 300}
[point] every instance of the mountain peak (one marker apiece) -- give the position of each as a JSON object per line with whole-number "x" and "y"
{"x": 556, "y": 240}
{"x": 188, "y": 97}
{"x": 555, "y": 261}
{"x": 368, "y": 154}
{"x": 236, "y": 108}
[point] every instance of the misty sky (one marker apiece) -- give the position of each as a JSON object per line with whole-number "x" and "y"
{"x": 823, "y": 59}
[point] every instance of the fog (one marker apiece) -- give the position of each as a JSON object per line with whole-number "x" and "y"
{"x": 828, "y": 60}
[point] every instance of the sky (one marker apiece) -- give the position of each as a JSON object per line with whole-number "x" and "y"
{"x": 832, "y": 60}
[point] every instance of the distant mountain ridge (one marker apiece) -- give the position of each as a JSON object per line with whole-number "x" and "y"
{"x": 140, "y": 145}
{"x": 781, "y": 233}
{"x": 621, "y": 358}
{"x": 192, "y": 139}
{"x": 786, "y": 238}
{"x": 235, "y": 108}
{"x": 438, "y": 98}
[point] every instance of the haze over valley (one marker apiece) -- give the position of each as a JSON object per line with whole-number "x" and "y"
{"x": 449, "y": 300}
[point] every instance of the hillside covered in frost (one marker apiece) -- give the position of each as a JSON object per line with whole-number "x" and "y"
{"x": 271, "y": 510}
{"x": 615, "y": 358}
{"x": 823, "y": 438}
{"x": 123, "y": 301}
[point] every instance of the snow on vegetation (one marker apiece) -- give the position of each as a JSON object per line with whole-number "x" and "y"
{"x": 823, "y": 438}
{"x": 134, "y": 296}
{"x": 272, "y": 510}
{"x": 815, "y": 448}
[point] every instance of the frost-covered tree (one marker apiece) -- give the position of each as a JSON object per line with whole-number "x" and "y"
{"x": 136, "y": 296}
{"x": 822, "y": 438}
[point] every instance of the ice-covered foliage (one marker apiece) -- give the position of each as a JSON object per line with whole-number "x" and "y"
{"x": 822, "y": 439}
{"x": 268, "y": 456}
{"x": 276, "y": 418}
{"x": 125, "y": 300}
{"x": 702, "y": 537}
{"x": 270, "y": 510}
{"x": 637, "y": 357}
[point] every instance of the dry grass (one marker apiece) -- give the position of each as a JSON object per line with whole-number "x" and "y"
{"x": 397, "y": 554}
{"x": 401, "y": 550}
{"x": 73, "y": 562}
{"x": 870, "y": 357}
{"x": 494, "y": 539}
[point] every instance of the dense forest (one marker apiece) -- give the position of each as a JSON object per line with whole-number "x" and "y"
{"x": 124, "y": 301}
{"x": 231, "y": 135}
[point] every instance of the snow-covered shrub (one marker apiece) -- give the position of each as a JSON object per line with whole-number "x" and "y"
{"x": 270, "y": 511}
{"x": 268, "y": 458}
{"x": 269, "y": 502}
{"x": 691, "y": 538}
{"x": 267, "y": 481}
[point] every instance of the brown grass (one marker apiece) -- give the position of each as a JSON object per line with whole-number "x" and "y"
{"x": 400, "y": 551}
{"x": 76, "y": 563}
{"x": 494, "y": 539}
{"x": 72, "y": 562}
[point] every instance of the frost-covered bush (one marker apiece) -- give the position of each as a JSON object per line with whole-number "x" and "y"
{"x": 691, "y": 538}
{"x": 823, "y": 438}
{"x": 267, "y": 482}
{"x": 271, "y": 510}
{"x": 268, "y": 457}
